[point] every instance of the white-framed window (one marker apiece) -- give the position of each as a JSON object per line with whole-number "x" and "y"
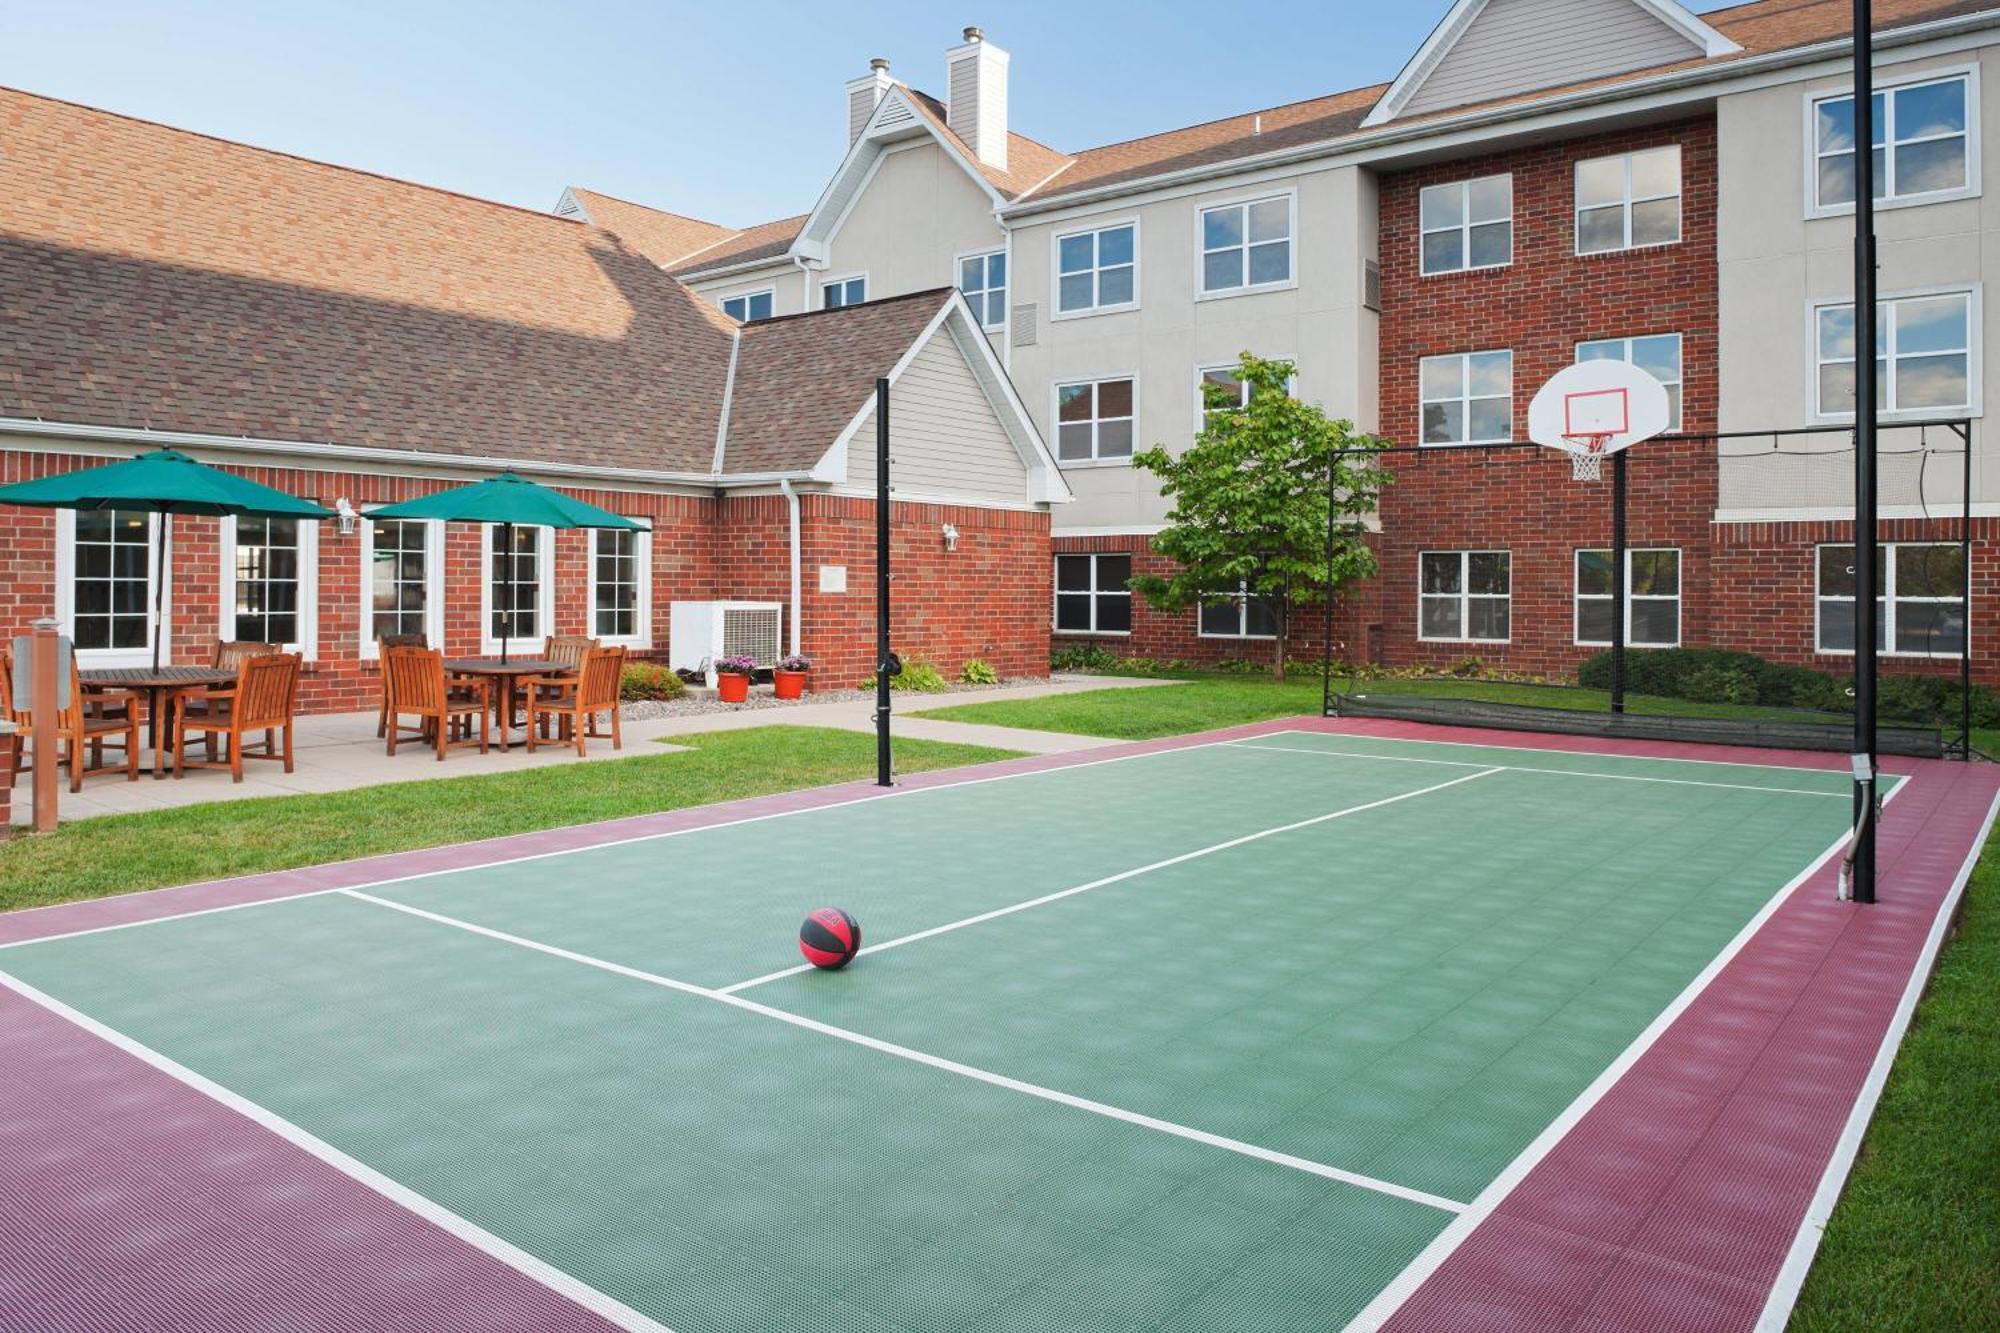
{"x": 1246, "y": 246}
{"x": 1923, "y": 354}
{"x": 1466, "y": 225}
{"x": 1467, "y": 398}
{"x": 1240, "y": 616}
{"x": 837, "y": 292}
{"x": 1919, "y": 599}
{"x": 983, "y": 280}
{"x": 1658, "y": 354}
{"x": 1629, "y": 200}
{"x": 516, "y": 608}
{"x": 1465, "y": 596}
{"x": 105, "y": 585}
{"x": 1923, "y": 144}
{"x": 1097, "y": 270}
{"x": 402, "y": 580}
{"x": 270, "y": 583}
{"x": 1652, "y": 597}
{"x": 1234, "y": 391}
{"x": 621, "y": 586}
{"x": 750, "y": 306}
{"x": 1094, "y": 420}
{"x": 1091, "y": 594}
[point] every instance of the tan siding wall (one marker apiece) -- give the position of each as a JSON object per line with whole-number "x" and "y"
{"x": 944, "y": 438}
{"x": 1515, "y": 46}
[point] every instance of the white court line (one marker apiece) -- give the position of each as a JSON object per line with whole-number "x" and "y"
{"x": 1536, "y": 768}
{"x": 934, "y": 1061}
{"x": 1536, "y": 749}
{"x": 589, "y": 1297}
{"x": 1432, "y": 1256}
{"x": 1120, "y": 877}
{"x": 1798, "y": 1260}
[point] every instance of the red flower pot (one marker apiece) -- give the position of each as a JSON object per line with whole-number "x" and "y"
{"x": 732, "y": 688}
{"x": 789, "y": 684}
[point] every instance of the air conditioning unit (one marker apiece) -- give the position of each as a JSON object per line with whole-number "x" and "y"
{"x": 700, "y": 632}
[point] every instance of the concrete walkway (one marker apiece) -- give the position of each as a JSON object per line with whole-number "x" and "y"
{"x": 340, "y": 751}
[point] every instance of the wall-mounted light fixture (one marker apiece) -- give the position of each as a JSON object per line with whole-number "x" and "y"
{"x": 950, "y": 537}
{"x": 348, "y": 517}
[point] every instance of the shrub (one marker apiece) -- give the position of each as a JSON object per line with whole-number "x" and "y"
{"x": 649, "y": 680}
{"x": 918, "y": 676}
{"x": 1082, "y": 657}
{"x": 1710, "y": 675}
{"x": 978, "y": 671}
{"x": 1242, "y": 666}
{"x": 1719, "y": 685}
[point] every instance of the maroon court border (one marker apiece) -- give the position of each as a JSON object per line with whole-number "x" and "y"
{"x": 130, "y": 1200}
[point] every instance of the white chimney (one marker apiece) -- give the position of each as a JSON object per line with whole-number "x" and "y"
{"x": 977, "y": 108}
{"x": 864, "y": 95}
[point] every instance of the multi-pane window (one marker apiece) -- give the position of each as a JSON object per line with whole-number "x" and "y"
{"x": 1246, "y": 245}
{"x": 1627, "y": 201}
{"x": 1238, "y": 616}
{"x": 1919, "y": 599}
{"x": 1465, "y": 595}
{"x": 267, "y": 570}
{"x": 1659, "y": 355}
{"x": 1097, "y": 270}
{"x": 399, "y": 578}
{"x": 110, "y": 588}
{"x": 1094, "y": 420}
{"x": 1652, "y": 598}
{"x": 1091, "y": 594}
{"x": 515, "y": 583}
{"x": 840, "y": 292}
{"x": 614, "y": 583}
{"x": 1220, "y": 391}
{"x": 1468, "y": 398}
{"x": 1923, "y": 354}
{"x": 749, "y": 306}
{"x": 1921, "y": 145}
{"x": 1467, "y": 224}
{"x": 983, "y": 279}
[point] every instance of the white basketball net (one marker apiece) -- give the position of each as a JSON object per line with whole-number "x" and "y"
{"x": 1587, "y": 462}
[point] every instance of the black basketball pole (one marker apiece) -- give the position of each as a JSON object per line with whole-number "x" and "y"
{"x": 1620, "y": 594}
{"x": 883, "y": 777}
{"x": 1862, "y": 856}
{"x": 1326, "y": 655}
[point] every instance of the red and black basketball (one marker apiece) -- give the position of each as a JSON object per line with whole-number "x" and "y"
{"x": 830, "y": 938}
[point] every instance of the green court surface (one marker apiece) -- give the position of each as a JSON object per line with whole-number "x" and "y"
{"x": 1210, "y": 1038}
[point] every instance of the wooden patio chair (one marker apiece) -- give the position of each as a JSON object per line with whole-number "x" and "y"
{"x": 230, "y": 655}
{"x": 383, "y": 643}
{"x": 418, "y": 687}
{"x": 568, "y": 650}
{"x": 264, "y": 698}
{"x": 93, "y": 721}
{"x": 577, "y": 700}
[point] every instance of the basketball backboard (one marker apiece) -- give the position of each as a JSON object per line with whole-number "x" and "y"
{"x": 1598, "y": 407}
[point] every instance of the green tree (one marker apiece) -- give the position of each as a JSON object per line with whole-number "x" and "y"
{"x": 1251, "y": 500}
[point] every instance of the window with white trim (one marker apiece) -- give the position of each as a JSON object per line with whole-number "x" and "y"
{"x": 983, "y": 280}
{"x": 516, "y": 583}
{"x": 1465, "y": 596}
{"x": 1466, "y": 225}
{"x": 1919, "y": 600}
{"x": 1098, "y": 269}
{"x": 110, "y": 579}
{"x": 1467, "y": 398}
{"x": 1658, "y": 354}
{"x": 402, "y": 565}
{"x": 1091, "y": 594}
{"x": 1628, "y": 201}
{"x": 1923, "y": 354}
{"x": 1652, "y": 598}
{"x": 1240, "y": 615}
{"x": 749, "y": 306}
{"x": 268, "y": 590}
{"x": 621, "y": 585}
{"x": 1922, "y": 142}
{"x": 838, "y": 292}
{"x": 1245, "y": 246}
{"x": 1094, "y": 420}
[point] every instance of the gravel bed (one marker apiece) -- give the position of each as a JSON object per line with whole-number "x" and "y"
{"x": 694, "y": 705}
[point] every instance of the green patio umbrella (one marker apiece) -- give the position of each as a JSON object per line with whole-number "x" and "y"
{"x": 505, "y": 500}
{"x": 165, "y": 482}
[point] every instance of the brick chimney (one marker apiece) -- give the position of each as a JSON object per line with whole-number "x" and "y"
{"x": 976, "y": 107}
{"x": 864, "y": 95}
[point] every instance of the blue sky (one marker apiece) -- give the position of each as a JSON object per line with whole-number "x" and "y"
{"x": 726, "y": 111}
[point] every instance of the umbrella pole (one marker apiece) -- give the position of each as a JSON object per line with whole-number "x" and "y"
{"x": 160, "y": 581}
{"x": 507, "y": 620}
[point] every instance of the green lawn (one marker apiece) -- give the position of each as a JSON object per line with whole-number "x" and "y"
{"x": 121, "y": 853}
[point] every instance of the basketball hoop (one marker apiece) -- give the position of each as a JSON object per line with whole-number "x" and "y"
{"x": 1586, "y": 458}
{"x": 1593, "y": 409}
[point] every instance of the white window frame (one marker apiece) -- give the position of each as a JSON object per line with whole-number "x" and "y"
{"x": 1095, "y": 592}
{"x": 1095, "y": 459}
{"x": 1465, "y": 225}
{"x": 1465, "y": 397}
{"x": 842, "y": 281}
{"x": 747, "y": 298}
{"x": 1578, "y": 597}
{"x": 545, "y": 549}
{"x": 1887, "y": 601}
{"x": 1889, "y": 84}
{"x": 1629, "y": 201}
{"x": 1201, "y": 372}
{"x": 1464, "y": 597}
{"x": 986, "y": 257}
{"x": 88, "y": 658}
{"x": 1056, "y": 310}
{"x": 1974, "y": 384}
{"x": 307, "y": 644}
{"x": 641, "y": 636}
{"x": 433, "y": 585}
{"x": 1201, "y": 250}
{"x": 1241, "y": 601}
{"x": 1674, "y": 423}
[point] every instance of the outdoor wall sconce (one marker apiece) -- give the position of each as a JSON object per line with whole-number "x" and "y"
{"x": 348, "y": 517}
{"x": 950, "y": 537}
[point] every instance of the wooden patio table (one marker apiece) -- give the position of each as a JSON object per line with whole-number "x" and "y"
{"x": 507, "y": 677}
{"x": 159, "y": 684}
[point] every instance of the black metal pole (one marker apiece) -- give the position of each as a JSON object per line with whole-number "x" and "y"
{"x": 883, "y": 777}
{"x": 160, "y": 582}
{"x": 507, "y": 613}
{"x": 1864, "y": 455}
{"x": 1619, "y": 598}
{"x": 1326, "y": 653}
